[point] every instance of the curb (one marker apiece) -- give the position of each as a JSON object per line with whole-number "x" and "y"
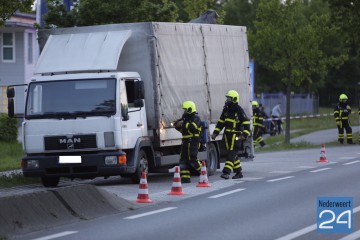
{"x": 20, "y": 214}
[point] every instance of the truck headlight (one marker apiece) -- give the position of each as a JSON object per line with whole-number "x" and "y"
{"x": 32, "y": 164}
{"x": 110, "y": 160}
{"x": 113, "y": 160}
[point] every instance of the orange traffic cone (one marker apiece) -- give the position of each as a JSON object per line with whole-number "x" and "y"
{"x": 204, "y": 181}
{"x": 176, "y": 188}
{"x": 323, "y": 154}
{"x": 143, "y": 196}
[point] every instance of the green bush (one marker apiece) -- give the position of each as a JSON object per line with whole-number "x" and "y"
{"x": 8, "y": 128}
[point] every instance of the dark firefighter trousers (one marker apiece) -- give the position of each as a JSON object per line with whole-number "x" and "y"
{"x": 257, "y": 135}
{"x": 188, "y": 158}
{"x": 344, "y": 124}
{"x": 232, "y": 145}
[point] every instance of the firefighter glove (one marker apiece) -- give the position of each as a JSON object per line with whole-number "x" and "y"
{"x": 240, "y": 136}
{"x": 244, "y": 136}
{"x": 213, "y": 136}
{"x": 178, "y": 124}
{"x": 338, "y": 123}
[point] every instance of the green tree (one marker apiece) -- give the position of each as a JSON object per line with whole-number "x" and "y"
{"x": 9, "y": 7}
{"x": 346, "y": 14}
{"x": 97, "y": 12}
{"x": 241, "y": 12}
{"x": 58, "y": 15}
{"x": 286, "y": 42}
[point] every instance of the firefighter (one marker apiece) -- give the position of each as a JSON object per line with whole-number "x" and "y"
{"x": 190, "y": 127}
{"x": 237, "y": 130}
{"x": 342, "y": 112}
{"x": 258, "y": 124}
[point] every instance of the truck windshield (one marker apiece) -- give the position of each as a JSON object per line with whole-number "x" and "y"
{"x": 71, "y": 99}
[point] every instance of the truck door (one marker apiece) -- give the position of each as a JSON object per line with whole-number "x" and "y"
{"x": 135, "y": 125}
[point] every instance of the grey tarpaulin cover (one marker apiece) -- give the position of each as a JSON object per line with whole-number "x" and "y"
{"x": 179, "y": 62}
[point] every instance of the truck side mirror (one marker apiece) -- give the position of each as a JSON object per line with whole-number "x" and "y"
{"x": 11, "y": 111}
{"x": 124, "y": 112}
{"x": 139, "y": 103}
{"x": 10, "y": 92}
{"x": 139, "y": 90}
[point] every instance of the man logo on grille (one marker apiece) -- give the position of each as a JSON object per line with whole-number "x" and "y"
{"x": 70, "y": 142}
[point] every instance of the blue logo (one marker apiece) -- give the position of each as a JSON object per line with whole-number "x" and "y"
{"x": 334, "y": 214}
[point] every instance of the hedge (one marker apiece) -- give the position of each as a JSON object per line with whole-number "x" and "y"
{"x": 8, "y": 128}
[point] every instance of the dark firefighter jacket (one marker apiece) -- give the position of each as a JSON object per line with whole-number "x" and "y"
{"x": 234, "y": 119}
{"x": 191, "y": 127}
{"x": 342, "y": 111}
{"x": 258, "y": 118}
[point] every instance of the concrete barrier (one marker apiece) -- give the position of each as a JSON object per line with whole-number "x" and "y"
{"x": 20, "y": 214}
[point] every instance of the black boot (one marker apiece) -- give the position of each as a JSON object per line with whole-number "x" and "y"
{"x": 225, "y": 176}
{"x": 237, "y": 175}
{"x": 185, "y": 180}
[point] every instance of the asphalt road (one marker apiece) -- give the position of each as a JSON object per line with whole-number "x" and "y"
{"x": 276, "y": 199}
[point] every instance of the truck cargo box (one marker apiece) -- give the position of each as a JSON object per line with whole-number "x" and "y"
{"x": 176, "y": 61}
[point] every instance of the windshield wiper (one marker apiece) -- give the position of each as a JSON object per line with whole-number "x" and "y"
{"x": 56, "y": 115}
{"x": 82, "y": 114}
{"x": 103, "y": 113}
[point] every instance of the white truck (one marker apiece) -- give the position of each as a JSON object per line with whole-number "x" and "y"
{"x": 103, "y": 98}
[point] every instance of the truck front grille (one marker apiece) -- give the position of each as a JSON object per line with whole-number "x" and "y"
{"x": 70, "y": 142}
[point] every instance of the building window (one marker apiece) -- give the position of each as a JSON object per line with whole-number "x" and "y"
{"x": 30, "y": 48}
{"x": 8, "y": 47}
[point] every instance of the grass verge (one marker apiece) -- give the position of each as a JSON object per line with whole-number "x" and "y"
{"x": 10, "y": 156}
{"x": 16, "y": 179}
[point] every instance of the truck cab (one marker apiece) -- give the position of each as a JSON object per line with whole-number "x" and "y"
{"x": 81, "y": 115}
{"x": 78, "y": 125}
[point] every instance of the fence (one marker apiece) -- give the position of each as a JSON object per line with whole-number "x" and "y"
{"x": 299, "y": 103}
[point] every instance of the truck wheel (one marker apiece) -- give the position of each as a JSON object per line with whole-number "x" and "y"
{"x": 142, "y": 165}
{"x": 212, "y": 159}
{"x": 50, "y": 181}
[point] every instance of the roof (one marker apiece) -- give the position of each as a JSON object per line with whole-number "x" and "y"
{"x": 25, "y": 20}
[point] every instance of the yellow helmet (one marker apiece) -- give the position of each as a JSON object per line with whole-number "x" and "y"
{"x": 189, "y": 107}
{"x": 255, "y": 104}
{"x": 233, "y": 96}
{"x": 343, "y": 98}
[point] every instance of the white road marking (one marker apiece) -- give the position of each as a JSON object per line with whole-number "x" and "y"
{"x": 251, "y": 179}
{"x": 298, "y": 233}
{"x": 281, "y": 171}
{"x": 227, "y": 193}
{"x": 352, "y": 236}
{"x": 306, "y": 167}
{"x": 150, "y": 213}
{"x": 57, "y": 235}
{"x": 310, "y": 229}
{"x": 347, "y": 158}
{"x": 349, "y": 163}
{"x": 320, "y": 170}
{"x": 279, "y": 179}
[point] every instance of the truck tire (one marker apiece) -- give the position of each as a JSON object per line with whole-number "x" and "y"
{"x": 142, "y": 165}
{"x": 50, "y": 181}
{"x": 212, "y": 159}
